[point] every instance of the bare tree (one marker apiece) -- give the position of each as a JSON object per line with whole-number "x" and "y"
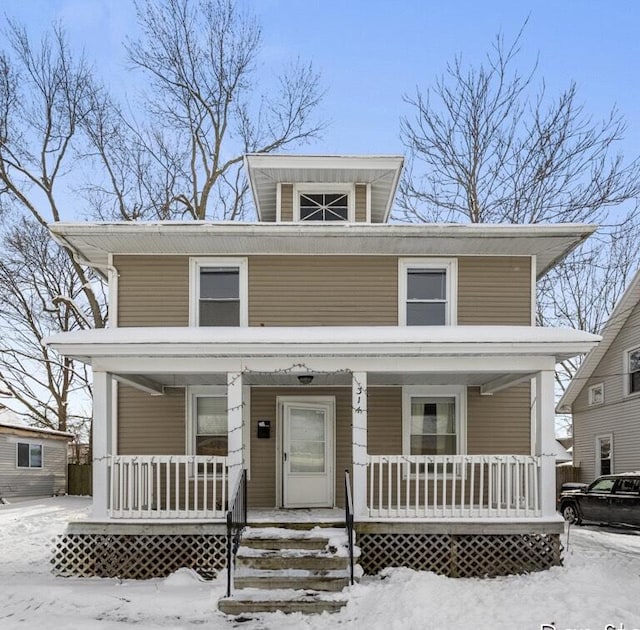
{"x": 40, "y": 294}
{"x": 65, "y": 142}
{"x": 484, "y": 146}
{"x": 205, "y": 106}
{"x": 485, "y": 149}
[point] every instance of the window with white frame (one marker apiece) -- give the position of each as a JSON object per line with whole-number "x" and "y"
{"x": 434, "y": 420}
{"x": 218, "y": 292}
{"x": 324, "y": 202}
{"x": 596, "y": 394}
{"x": 29, "y": 455}
{"x": 427, "y": 292}
{"x": 210, "y": 430}
{"x": 604, "y": 455}
{"x": 633, "y": 368}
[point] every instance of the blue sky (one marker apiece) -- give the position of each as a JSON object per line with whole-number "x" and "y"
{"x": 371, "y": 52}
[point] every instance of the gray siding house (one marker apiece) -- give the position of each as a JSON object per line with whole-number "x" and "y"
{"x": 604, "y": 395}
{"x": 33, "y": 462}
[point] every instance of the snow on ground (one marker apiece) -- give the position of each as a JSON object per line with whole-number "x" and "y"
{"x": 597, "y": 588}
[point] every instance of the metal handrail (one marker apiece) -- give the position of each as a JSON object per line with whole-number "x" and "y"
{"x": 349, "y": 520}
{"x": 236, "y": 522}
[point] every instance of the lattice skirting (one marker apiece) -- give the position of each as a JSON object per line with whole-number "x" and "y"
{"x": 137, "y": 556}
{"x": 460, "y": 555}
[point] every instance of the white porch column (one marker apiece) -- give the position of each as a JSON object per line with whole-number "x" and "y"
{"x": 359, "y": 439}
{"x": 234, "y": 419}
{"x": 102, "y": 435}
{"x": 545, "y": 440}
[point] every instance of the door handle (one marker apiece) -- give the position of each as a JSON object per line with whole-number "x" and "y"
{"x": 285, "y": 456}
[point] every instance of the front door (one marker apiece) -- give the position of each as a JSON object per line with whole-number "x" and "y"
{"x": 307, "y": 452}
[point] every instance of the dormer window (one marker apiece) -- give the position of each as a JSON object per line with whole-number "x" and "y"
{"x": 324, "y": 207}
{"x": 324, "y": 202}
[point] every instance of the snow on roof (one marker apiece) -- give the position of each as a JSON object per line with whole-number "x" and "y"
{"x": 617, "y": 319}
{"x": 327, "y": 334}
{"x": 23, "y": 427}
{"x": 94, "y": 242}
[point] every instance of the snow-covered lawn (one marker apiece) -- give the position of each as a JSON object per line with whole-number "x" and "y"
{"x": 598, "y": 588}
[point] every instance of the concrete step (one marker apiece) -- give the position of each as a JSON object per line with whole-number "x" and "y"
{"x": 296, "y": 579}
{"x": 247, "y": 601}
{"x": 283, "y": 538}
{"x": 289, "y": 559}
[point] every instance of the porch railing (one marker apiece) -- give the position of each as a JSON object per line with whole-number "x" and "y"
{"x": 348, "y": 514}
{"x": 167, "y": 486}
{"x": 236, "y": 522}
{"x": 453, "y": 486}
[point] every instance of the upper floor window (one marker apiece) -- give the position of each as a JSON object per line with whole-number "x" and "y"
{"x": 218, "y": 288}
{"x": 633, "y": 366}
{"x": 596, "y": 394}
{"x": 29, "y": 455}
{"x": 426, "y": 292}
{"x": 324, "y": 202}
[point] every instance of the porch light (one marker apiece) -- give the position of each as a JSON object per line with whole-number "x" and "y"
{"x": 305, "y": 379}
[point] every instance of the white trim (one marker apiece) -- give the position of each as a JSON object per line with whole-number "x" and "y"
{"x": 626, "y": 372}
{"x": 458, "y": 392}
{"x": 115, "y": 395}
{"x": 279, "y": 202}
{"x": 281, "y": 401}
{"x": 368, "y": 202}
{"x": 450, "y": 266}
{"x": 112, "y": 291}
{"x": 598, "y": 459}
{"x": 30, "y": 444}
{"x": 591, "y": 401}
{"x": 197, "y": 263}
{"x": 310, "y": 189}
{"x": 534, "y": 289}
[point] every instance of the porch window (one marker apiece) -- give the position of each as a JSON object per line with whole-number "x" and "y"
{"x": 633, "y": 364}
{"x": 211, "y": 426}
{"x": 218, "y": 292}
{"x": 29, "y": 455}
{"x": 426, "y": 292}
{"x": 434, "y": 420}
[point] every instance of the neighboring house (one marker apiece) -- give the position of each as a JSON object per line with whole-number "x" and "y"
{"x": 604, "y": 395}
{"x": 317, "y": 340}
{"x": 33, "y": 462}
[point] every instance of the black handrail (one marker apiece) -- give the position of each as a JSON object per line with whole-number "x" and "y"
{"x": 349, "y": 519}
{"x": 236, "y": 522}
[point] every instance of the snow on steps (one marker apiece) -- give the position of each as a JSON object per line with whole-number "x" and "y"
{"x": 290, "y": 570}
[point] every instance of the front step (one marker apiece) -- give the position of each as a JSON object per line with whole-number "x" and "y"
{"x": 290, "y": 570}
{"x": 250, "y": 601}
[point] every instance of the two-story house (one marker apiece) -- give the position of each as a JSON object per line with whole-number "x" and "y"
{"x": 322, "y": 339}
{"x": 604, "y": 395}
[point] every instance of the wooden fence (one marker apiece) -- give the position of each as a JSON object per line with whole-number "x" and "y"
{"x": 79, "y": 479}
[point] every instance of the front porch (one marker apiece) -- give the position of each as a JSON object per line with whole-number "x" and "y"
{"x": 450, "y": 487}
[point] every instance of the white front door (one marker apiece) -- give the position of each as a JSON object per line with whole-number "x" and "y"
{"x": 307, "y": 452}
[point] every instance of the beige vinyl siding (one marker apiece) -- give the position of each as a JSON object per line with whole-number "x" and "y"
{"x": 494, "y": 290}
{"x": 286, "y": 203}
{"x": 262, "y": 485}
{"x": 384, "y": 421}
{"x": 361, "y": 203}
{"x": 619, "y": 415}
{"x": 151, "y": 425}
{"x": 153, "y": 290}
{"x": 323, "y": 291}
{"x": 499, "y": 424}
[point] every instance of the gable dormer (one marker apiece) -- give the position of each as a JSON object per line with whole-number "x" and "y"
{"x": 323, "y": 188}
